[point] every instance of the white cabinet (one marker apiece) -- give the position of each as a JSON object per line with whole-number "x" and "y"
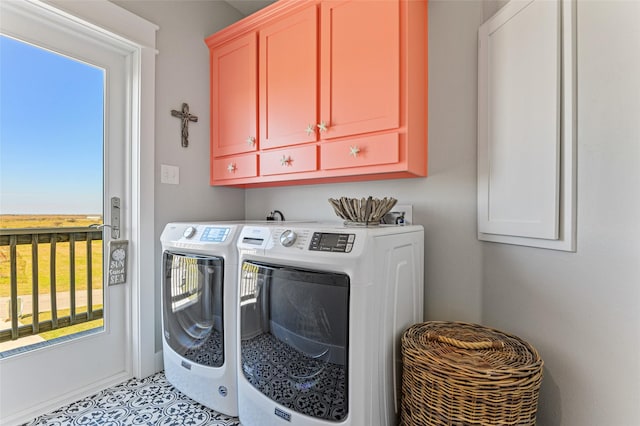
{"x": 526, "y": 138}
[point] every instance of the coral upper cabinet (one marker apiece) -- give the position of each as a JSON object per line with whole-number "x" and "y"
{"x": 288, "y": 80}
{"x": 234, "y": 95}
{"x": 320, "y": 91}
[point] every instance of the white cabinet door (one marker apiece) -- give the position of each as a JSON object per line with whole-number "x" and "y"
{"x": 524, "y": 125}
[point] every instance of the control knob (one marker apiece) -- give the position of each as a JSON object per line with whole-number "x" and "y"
{"x": 189, "y": 232}
{"x": 288, "y": 237}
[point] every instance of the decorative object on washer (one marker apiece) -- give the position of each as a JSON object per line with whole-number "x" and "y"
{"x": 362, "y": 211}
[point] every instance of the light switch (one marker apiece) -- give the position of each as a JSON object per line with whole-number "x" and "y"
{"x": 169, "y": 174}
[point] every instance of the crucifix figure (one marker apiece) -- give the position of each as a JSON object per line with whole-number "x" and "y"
{"x": 186, "y": 118}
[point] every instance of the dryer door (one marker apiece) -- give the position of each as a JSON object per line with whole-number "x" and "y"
{"x": 294, "y": 331}
{"x": 192, "y": 307}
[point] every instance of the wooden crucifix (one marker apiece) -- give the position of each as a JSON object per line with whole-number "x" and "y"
{"x": 186, "y": 118}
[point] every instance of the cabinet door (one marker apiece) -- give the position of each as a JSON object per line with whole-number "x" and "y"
{"x": 526, "y": 125}
{"x": 234, "y": 167}
{"x": 289, "y": 160}
{"x": 234, "y": 97}
{"x": 288, "y": 80}
{"x": 358, "y": 152}
{"x": 360, "y": 67}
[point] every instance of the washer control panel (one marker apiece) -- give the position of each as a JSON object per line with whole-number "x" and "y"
{"x": 215, "y": 234}
{"x": 290, "y": 238}
{"x": 333, "y": 242}
{"x": 297, "y": 239}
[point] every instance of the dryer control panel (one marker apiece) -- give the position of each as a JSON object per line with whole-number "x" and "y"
{"x": 333, "y": 242}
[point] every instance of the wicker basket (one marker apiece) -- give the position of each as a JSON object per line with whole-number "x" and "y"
{"x": 465, "y": 374}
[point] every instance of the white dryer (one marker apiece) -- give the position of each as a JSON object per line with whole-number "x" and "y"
{"x": 199, "y": 311}
{"x": 322, "y": 309}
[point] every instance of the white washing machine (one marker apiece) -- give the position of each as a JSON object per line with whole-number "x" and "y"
{"x": 322, "y": 310}
{"x": 199, "y": 311}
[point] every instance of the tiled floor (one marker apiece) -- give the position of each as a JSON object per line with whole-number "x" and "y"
{"x": 151, "y": 401}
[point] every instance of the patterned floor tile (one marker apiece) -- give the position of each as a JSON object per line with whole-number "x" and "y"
{"x": 150, "y": 401}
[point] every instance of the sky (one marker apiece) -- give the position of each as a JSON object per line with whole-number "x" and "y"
{"x": 51, "y": 132}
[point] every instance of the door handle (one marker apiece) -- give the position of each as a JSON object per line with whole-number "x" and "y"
{"x": 115, "y": 232}
{"x": 115, "y": 219}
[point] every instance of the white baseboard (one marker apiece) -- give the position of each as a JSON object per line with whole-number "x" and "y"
{"x": 53, "y": 404}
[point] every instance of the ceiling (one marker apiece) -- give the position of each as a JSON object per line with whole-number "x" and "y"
{"x": 247, "y": 7}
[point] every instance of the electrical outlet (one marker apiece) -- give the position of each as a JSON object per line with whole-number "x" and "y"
{"x": 169, "y": 174}
{"x": 398, "y": 214}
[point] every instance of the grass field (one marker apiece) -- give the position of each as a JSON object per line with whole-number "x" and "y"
{"x": 65, "y": 331}
{"x": 13, "y": 221}
{"x": 63, "y": 258}
{"x": 24, "y": 262}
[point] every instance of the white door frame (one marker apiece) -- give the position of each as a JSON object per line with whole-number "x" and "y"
{"x": 140, "y": 34}
{"x": 137, "y": 36}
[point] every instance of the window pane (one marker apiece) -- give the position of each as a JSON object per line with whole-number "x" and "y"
{"x": 51, "y": 176}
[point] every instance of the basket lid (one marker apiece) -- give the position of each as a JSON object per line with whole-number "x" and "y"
{"x": 477, "y": 349}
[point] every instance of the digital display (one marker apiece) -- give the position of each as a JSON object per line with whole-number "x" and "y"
{"x": 329, "y": 239}
{"x": 326, "y": 241}
{"x": 213, "y": 234}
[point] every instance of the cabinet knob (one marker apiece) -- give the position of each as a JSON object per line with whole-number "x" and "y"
{"x": 231, "y": 168}
{"x": 285, "y": 161}
{"x": 354, "y": 150}
{"x": 251, "y": 140}
{"x": 323, "y": 126}
{"x": 309, "y": 129}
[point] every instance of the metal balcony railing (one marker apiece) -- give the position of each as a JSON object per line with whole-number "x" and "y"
{"x": 54, "y": 238}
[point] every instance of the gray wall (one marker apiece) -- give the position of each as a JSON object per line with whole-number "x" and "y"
{"x": 182, "y": 75}
{"x": 444, "y": 203}
{"x": 581, "y": 310}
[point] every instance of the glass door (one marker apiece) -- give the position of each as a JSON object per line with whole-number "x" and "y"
{"x": 68, "y": 96}
{"x": 192, "y": 291}
{"x": 294, "y": 337}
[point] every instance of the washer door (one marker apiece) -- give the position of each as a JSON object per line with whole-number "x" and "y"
{"x": 294, "y": 331}
{"x": 192, "y": 307}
